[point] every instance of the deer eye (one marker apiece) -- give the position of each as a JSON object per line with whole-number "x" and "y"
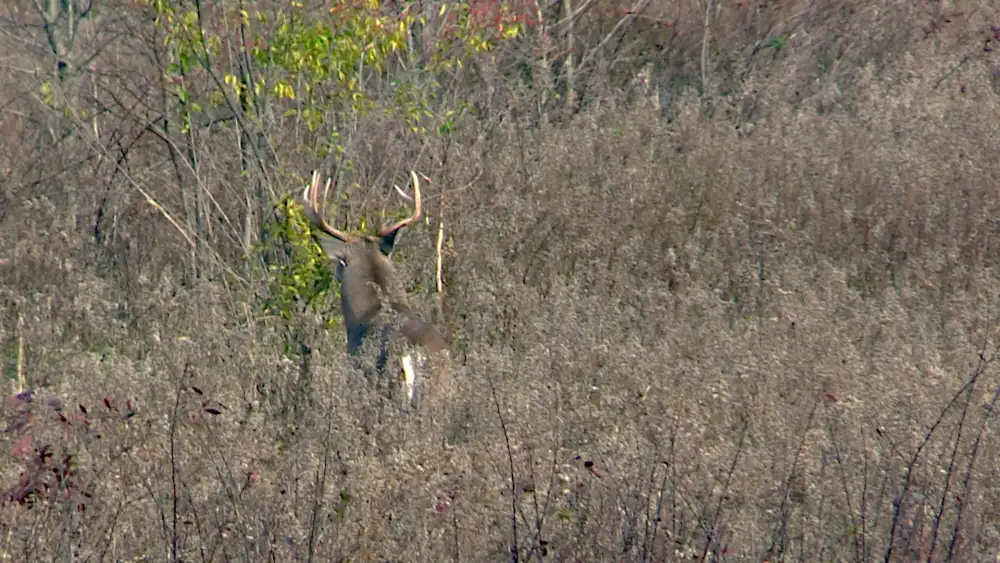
{"x": 338, "y": 271}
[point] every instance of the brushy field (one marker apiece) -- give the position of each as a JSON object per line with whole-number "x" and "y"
{"x": 763, "y": 332}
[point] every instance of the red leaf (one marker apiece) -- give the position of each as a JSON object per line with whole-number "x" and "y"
{"x": 22, "y": 447}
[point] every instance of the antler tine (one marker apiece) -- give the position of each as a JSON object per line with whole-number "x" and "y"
{"x": 416, "y": 209}
{"x": 305, "y": 193}
{"x": 313, "y": 209}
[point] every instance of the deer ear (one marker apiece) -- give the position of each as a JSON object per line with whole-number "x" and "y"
{"x": 338, "y": 271}
{"x": 387, "y": 242}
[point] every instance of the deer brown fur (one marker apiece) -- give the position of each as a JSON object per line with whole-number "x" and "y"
{"x": 366, "y": 275}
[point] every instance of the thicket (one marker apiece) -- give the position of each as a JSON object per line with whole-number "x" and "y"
{"x": 719, "y": 280}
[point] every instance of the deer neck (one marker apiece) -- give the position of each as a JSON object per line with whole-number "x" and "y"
{"x": 367, "y": 278}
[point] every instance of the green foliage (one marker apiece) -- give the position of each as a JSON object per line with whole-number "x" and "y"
{"x": 304, "y": 280}
{"x": 474, "y": 28}
{"x": 10, "y": 359}
{"x": 45, "y": 89}
{"x": 329, "y": 56}
{"x": 345, "y": 499}
{"x": 189, "y": 45}
{"x": 324, "y": 67}
{"x": 329, "y": 62}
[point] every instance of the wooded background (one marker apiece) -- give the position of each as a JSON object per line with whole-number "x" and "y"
{"x": 719, "y": 279}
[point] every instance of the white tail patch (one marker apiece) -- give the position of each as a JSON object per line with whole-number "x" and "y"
{"x": 409, "y": 377}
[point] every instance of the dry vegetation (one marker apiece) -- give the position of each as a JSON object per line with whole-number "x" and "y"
{"x": 755, "y": 324}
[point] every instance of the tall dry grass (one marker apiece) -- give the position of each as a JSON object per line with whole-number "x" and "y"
{"x": 674, "y": 340}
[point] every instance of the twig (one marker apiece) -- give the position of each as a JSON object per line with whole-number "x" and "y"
{"x": 96, "y": 145}
{"x": 20, "y": 352}
{"x": 630, "y": 16}
{"x": 705, "y": 40}
{"x": 440, "y": 259}
{"x": 514, "y": 548}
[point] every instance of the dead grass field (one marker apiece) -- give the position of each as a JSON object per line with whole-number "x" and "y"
{"x": 759, "y": 327}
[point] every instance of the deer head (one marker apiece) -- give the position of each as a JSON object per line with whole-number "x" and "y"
{"x": 366, "y": 275}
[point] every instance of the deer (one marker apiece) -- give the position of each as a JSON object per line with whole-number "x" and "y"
{"x": 366, "y": 274}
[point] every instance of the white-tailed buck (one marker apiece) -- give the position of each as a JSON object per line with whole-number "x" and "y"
{"x": 367, "y": 276}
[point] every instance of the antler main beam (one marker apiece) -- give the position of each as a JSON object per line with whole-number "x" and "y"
{"x": 315, "y": 202}
{"x": 416, "y": 209}
{"x": 314, "y": 208}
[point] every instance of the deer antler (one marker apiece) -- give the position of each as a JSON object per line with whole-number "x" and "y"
{"x": 313, "y": 208}
{"x": 416, "y": 209}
